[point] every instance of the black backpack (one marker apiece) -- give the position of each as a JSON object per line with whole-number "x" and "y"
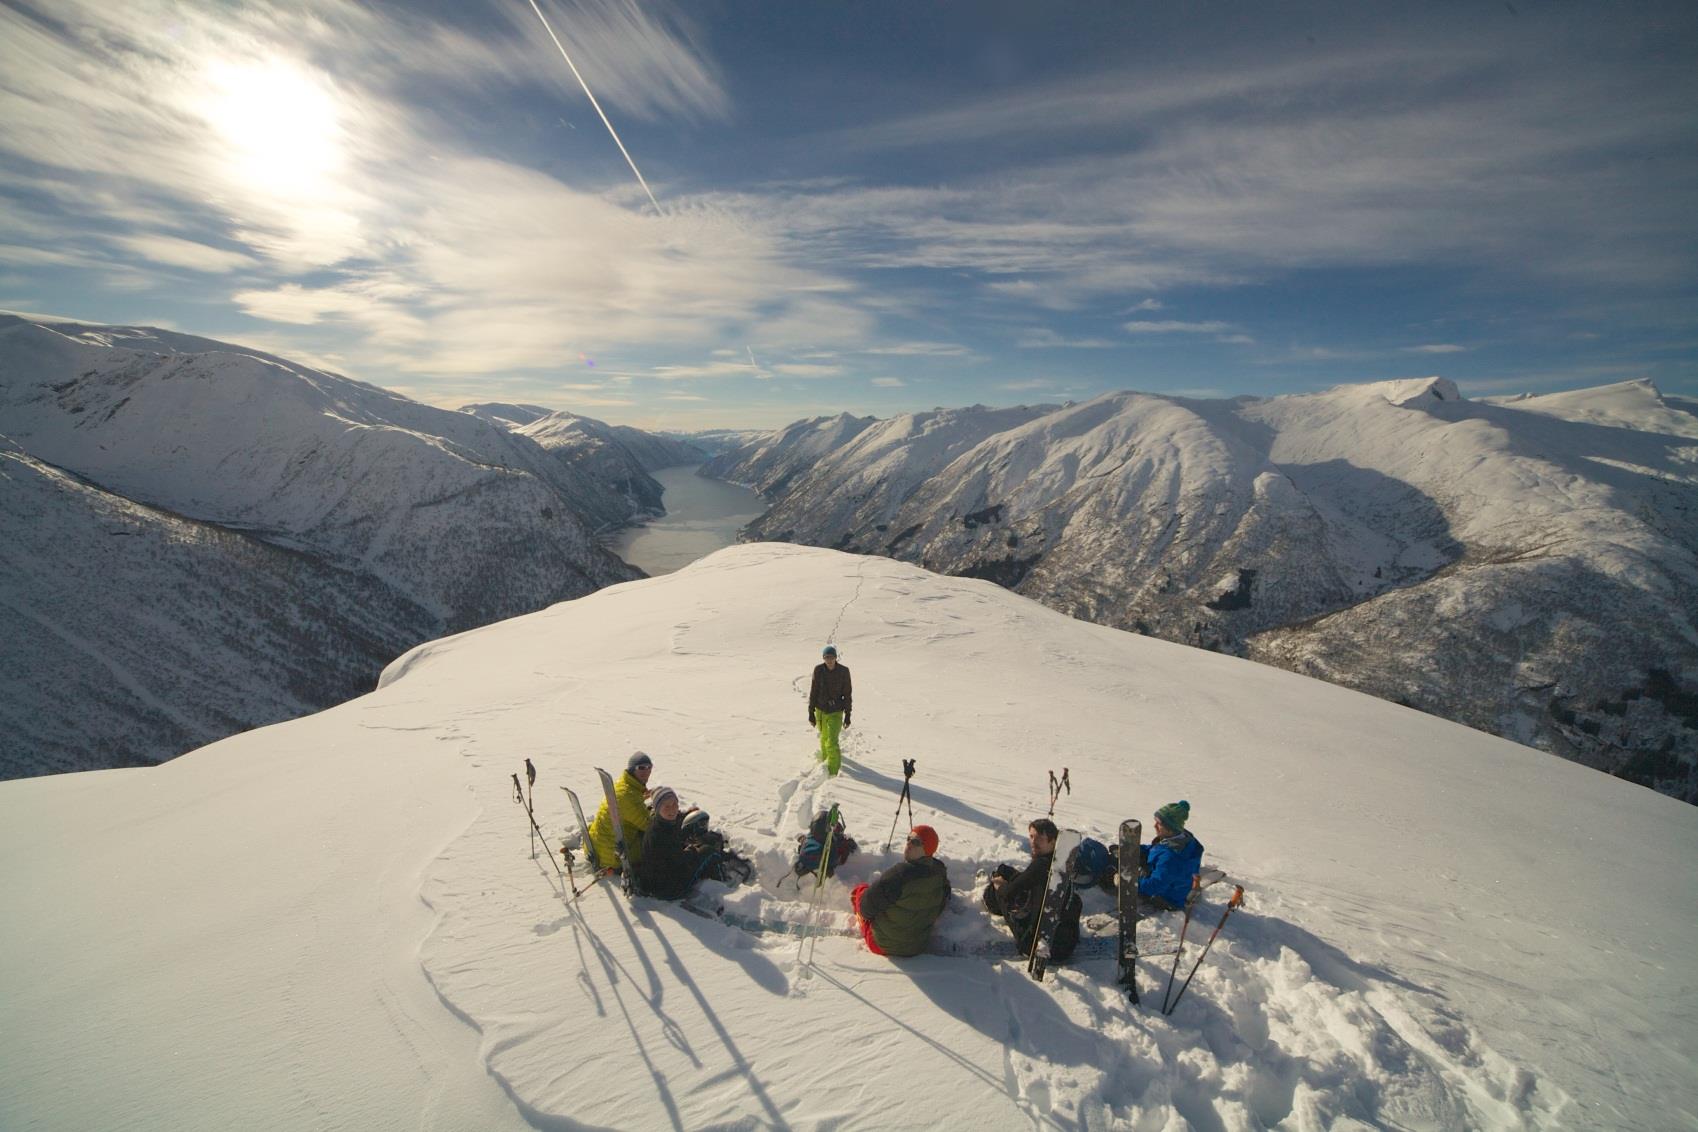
{"x": 810, "y": 846}
{"x": 718, "y": 860}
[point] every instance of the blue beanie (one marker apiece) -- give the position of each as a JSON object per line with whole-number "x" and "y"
{"x": 830, "y": 650}
{"x": 1174, "y": 815}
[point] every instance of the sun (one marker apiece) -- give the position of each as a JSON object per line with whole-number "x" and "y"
{"x": 279, "y": 122}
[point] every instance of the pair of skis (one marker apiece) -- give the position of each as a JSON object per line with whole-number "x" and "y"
{"x": 627, "y": 877}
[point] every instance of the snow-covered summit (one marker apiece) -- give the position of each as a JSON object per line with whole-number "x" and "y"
{"x": 341, "y": 914}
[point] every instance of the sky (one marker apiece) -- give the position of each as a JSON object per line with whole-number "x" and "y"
{"x": 873, "y": 208}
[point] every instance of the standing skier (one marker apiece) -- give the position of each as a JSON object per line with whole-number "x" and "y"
{"x": 896, "y": 913}
{"x": 1171, "y": 859}
{"x": 630, "y": 791}
{"x": 830, "y": 701}
{"x": 1017, "y": 894}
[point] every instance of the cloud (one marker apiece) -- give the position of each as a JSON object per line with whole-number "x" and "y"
{"x": 1436, "y": 348}
{"x": 1029, "y": 385}
{"x": 1147, "y": 305}
{"x": 889, "y": 382}
{"x": 174, "y": 251}
{"x": 919, "y": 350}
{"x": 698, "y": 372}
{"x": 1172, "y": 327}
{"x": 798, "y": 369}
{"x": 1043, "y": 338}
{"x": 1236, "y": 340}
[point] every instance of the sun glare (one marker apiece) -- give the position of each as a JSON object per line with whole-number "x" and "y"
{"x": 279, "y": 122}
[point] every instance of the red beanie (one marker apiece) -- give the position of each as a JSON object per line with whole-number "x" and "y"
{"x": 928, "y": 838}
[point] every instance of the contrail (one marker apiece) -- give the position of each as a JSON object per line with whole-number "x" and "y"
{"x": 597, "y": 106}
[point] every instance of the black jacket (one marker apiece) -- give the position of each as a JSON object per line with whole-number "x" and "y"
{"x": 666, "y": 869}
{"x": 831, "y": 690}
{"x": 1021, "y": 897}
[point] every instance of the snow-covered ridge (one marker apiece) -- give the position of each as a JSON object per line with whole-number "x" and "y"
{"x": 1529, "y": 567}
{"x": 1442, "y": 929}
{"x": 459, "y": 522}
{"x": 615, "y": 459}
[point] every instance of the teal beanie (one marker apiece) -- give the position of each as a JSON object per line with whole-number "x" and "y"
{"x": 1174, "y": 815}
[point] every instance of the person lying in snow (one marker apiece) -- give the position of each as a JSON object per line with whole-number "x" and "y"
{"x": 1017, "y": 895}
{"x": 1171, "y": 859}
{"x": 896, "y": 912}
{"x": 670, "y": 859}
{"x": 629, "y": 791}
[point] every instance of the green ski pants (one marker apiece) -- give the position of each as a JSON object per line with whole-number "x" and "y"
{"x": 830, "y": 724}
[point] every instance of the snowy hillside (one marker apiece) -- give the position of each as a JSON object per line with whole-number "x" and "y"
{"x": 376, "y": 522}
{"x": 615, "y": 460}
{"x": 652, "y": 450}
{"x": 338, "y": 921}
{"x": 780, "y": 458}
{"x": 1529, "y": 568}
{"x": 134, "y": 634}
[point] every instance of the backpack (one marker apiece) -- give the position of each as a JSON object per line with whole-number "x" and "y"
{"x": 718, "y": 860}
{"x": 810, "y": 845}
{"x": 1090, "y": 862}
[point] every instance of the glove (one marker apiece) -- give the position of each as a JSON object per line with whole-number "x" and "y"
{"x": 846, "y": 719}
{"x": 810, "y": 717}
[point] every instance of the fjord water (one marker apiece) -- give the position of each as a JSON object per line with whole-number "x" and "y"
{"x": 702, "y": 516}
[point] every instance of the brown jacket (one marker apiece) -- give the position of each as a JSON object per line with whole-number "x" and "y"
{"x": 831, "y": 690}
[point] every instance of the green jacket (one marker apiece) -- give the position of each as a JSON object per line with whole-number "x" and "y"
{"x": 904, "y": 903}
{"x": 633, "y": 813}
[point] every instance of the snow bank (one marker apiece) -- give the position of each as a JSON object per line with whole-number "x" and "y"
{"x": 293, "y": 927}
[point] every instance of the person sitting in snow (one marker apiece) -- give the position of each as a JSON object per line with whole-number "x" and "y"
{"x": 669, "y": 860}
{"x": 896, "y": 912}
{"x": 1170, "y": 861}
{"x": 629, "y": 791}
{"x": 1017, "y": 895}
{"x": 831, "y": 699}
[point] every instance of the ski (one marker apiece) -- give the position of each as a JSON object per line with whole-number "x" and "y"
{"x": 1058, "y": 890}
{"x": 626, "y": 877}
{"x": 578, "y": 809}
{"x": 1126, "y": 899}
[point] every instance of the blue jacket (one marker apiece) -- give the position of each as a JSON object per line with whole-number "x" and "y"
{"x": 1171, "y": 863}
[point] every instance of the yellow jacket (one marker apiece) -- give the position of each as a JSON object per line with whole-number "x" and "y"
{"x": 633, "y": 814}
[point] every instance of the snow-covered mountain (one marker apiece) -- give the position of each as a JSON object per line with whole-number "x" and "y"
{"x": 1527, "y": 567}
{"x": 615, "y": 460}
{"x": 134, "y": 634}
{"x": 338, "y": 920}
{"x": 390, "y": 521}
{"x": 715, "y": 441}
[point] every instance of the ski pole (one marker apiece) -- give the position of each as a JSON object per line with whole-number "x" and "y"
{"x": 519, "y": 797}
{"x": 1184, "y": 926}
{"x": 805, "y": 954}
{"x": 1055, "y": 787}
{"x": 530, "y": 799}
{"x": 1237, "y": 899}
{"x": 907, "y": 773}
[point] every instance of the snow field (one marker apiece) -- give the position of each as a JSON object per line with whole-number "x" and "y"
{"x": 1435, "y": 935}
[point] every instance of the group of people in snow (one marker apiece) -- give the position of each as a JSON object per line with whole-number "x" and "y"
{"x": 667, "y": 844}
